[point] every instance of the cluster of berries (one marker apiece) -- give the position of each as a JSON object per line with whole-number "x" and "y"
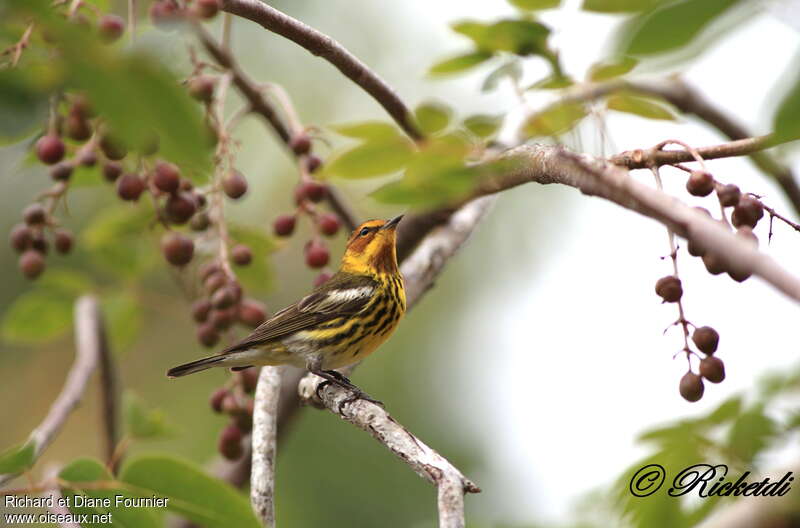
{"x": 747, "y": 211}
{"x": 29, "y": 239}
{"x": 306, "y": 194}
{"x": 223, "y": 303}
{"x": 235, "y": 403}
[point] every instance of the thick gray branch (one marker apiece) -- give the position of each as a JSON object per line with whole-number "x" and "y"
{"x": 89, "y": 341}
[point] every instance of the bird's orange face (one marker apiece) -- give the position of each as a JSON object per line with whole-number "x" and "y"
{"x": 371, "y": 248}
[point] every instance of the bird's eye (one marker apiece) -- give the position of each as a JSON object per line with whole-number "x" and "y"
{"x": 364, "y": 232}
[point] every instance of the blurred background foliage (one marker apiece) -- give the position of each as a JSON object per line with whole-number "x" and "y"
{"x": 330, "y": 474}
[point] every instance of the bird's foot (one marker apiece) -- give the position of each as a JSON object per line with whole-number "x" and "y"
{"x": 332, "y": 377}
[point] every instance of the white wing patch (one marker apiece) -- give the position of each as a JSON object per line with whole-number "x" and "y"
{"x": 339, "y": 297}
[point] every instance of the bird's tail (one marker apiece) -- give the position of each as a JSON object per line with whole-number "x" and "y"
{"x": 234, "y": 359}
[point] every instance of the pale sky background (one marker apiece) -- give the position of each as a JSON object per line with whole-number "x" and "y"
{"x": 600, "y": 372}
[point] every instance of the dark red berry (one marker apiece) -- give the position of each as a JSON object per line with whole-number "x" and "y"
{"x": 713, "y": 369}
{"x": 61, "y": 171}
{"x": 230, "y": 405}
{"x": 164, "y": 14}
{"x": 214, "y": 282}
{"x": 112, "y": 170}
{"x": 748, "y": 212}
{"x": 310, "y": 190}
{"x": 241, "y": 255}
{"x": 200, "y": 310}
{"x": 691, "y": 387}
{"x": 63, "y": 241}
{"x": 284, "y": 225}
{"x": 714, "y": 264}
{"x": 317, "y": 255}
{"x": 252, "y": 313}
{"x": 202, "y": 87}
{"x": 300, "y": 144}
{"x": 77, "y": 127}
{"x": 223, "y": 298}
{"x": 222, "y": 319}
{"x": 313, "y": 163}
{"x": 230, "y": 442}
{"x": 207, "y": 335}
{"x": 178, "y": 249}
{"x": 322, "y": 278}
{"x": 20, "y": 237}
{"x": 39, "y": 242}
{"x": 31, "y": 263}
{"x": 206, "y": 8}
{"x": 129, "y": 187}
{"x": 700, "y": 183}
{"x": 706, "y": 339}
{"x": 180, "y": 207}
{"x": 729, "y": 195}
{"x": 669, "y": 288}
{"x": 216, "y": 399}
{"x": 113, "y": 147}
{"x": 329, "y": 224}
{"x": 110, "y": 27}
{"x": 81, "y": 107}
{"x": 166, "y": 177}
{"x": 208, "y": 268}
{"x": 50, "y": 149}
{"x": 34, "y": 214}
{"x": 234, "y": 184}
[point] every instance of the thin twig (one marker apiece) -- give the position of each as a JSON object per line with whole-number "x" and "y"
{"x": 324, "y": 46}
{"x": 88, "y": 344}
{"x": 644, "y": 158}
{"x": 110, "y": 395}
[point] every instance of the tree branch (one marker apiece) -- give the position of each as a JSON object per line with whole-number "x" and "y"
{"x": 265, "y": 423}
{"x": 641, "y": 159}
{"x": 324, "y": 46}
{"x": 89, "y": 342}
{"x": 691, "y": 101}
{"x": 547, "y": 164}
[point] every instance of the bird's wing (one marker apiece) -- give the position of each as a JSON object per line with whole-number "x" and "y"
{"x": 342, "y": 295}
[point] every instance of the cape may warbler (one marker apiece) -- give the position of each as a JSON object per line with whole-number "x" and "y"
{"x": 339, "y": 323}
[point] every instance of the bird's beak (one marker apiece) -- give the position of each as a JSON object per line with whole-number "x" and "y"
{"x": 391, "y": 224}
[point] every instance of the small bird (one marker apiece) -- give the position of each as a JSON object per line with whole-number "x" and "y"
{"x": 341, "y": 322}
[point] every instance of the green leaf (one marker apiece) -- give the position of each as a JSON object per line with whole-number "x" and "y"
{"x": 620, "y": 6}
{"x": 555, "y": 120}
{"x": 641, "y": 106}
{"x": 511, "y": 69}
{"x": 143, "y": 423}
{"x": 258, "y": 275}
{"x": 751, "y": 433}
{"x": 117, "y": 239}
{"x": 552, "y": 82}
{"x": 483, "y": 125}
{"x": 67, "y": 282}
{"x": 192, "y": 492}
{"x": 23, "y": 105}
{"x": 459, "y": 63}
{"x": 367, "y": 130}
{"x": 371, "y": 159}
{"x": 535, "y": 5}
{"x": 726, "y": 411}
{"x": 786, "y": 122}
{"x": 18, "y": 458}
{"x": 88, "y": 470}
{"x": 37, "y": 317}
{"x": 123, "y": 314}
{"x": 523, "y": 37}
{"x": 672, "y": 26}
{"x": 433, "y": 117}
{"x": 605, "y": 70}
